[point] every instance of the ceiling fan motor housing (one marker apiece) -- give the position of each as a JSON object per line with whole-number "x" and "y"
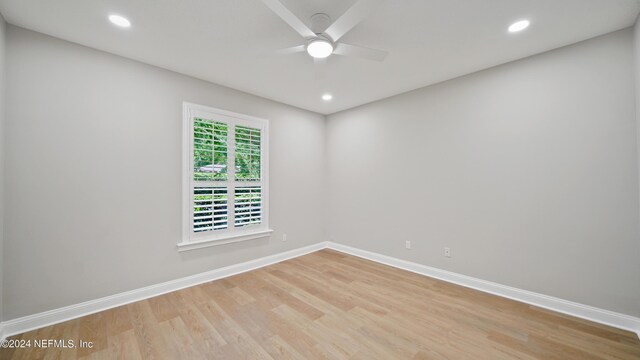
{"x": 319, "y": 23}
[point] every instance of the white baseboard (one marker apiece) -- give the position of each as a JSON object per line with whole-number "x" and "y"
{"x": 591, "y": 313}
{"x": 31, "y": 322}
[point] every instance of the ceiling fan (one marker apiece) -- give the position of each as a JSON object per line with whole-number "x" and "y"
{"x": 322, "y": 39}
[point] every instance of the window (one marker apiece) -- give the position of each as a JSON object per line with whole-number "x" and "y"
{"x": 225, "y": 180}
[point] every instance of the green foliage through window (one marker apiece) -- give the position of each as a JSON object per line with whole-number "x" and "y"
{"x": 209, "y": 208}
{"x": 212, "y": 201}
{"x": 209, "y": 150}
{"x": 247, "y": 153}
{"x": 248, "y": 205}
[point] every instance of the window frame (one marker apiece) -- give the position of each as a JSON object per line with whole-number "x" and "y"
{"x": 193, "y": 240}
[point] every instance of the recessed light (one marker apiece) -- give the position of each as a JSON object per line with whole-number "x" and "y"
{"x": 320, "y": 48}
{"x": 327, "y": 97}
{"x": 120, "y": 20}
{"x": 519, "y": 26}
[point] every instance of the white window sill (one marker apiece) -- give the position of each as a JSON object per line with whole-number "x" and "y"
{"x": 193, "y": 245}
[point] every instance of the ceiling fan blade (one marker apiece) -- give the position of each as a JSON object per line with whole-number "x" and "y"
{"x": 361, "y": 52}
{"x": 351, "y": 18}
{"x": 288, "y": 17}
{"x": 320, "y": 67}
{"x": 291, "y": 50}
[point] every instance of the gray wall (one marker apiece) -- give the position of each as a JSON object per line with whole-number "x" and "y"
{"x": 636, "y": 47}
{"x": 2, "y": 122}
{"x": 93, "y": 167}
{"x": 528, "y": 171}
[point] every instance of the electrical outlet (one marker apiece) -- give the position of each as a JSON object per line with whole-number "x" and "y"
{"x": 407, "y": 244}
{"x": 447, "y": 252}
{"x": 284, "y": 237}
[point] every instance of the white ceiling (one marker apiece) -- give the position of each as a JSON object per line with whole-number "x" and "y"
{"x": 231, "y": 42}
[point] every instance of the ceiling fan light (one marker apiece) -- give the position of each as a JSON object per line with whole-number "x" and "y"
{"x": 320, "y": 49}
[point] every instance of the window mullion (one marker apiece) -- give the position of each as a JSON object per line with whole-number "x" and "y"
{"x": 231, "y": 173}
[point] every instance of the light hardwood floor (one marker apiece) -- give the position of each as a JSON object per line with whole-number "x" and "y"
{"x": 328, "y": 305}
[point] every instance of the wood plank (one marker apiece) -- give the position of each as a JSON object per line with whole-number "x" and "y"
{"x": 329, "y": 305}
